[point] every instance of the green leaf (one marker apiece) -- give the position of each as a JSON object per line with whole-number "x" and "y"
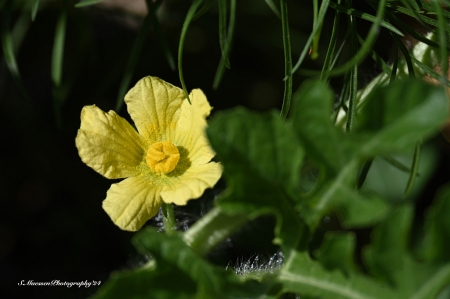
{"x": 58, "y": 46}
{"x": 176, "y": 272}
{"x": 205, "y": 7}
{"x": 393, "y": 272}
{"x": 365, "y": 16}
{"x": 326, "y": 144}
{"x": 402, "y": 25}
{"x": 212, "y": 229}
{"x": 414, "y": 169}
{"x": 273, "y": 7}
{"x": 430, "y": 71}
{"x": 86, "y": 3}
{"x": 437, "y": 228}
{"x": 337, "y": 155}
{"x": 227, "y": 48}
{"x": 262, "y": 160}
{"x": 399, "y": 116}
{"x": 389, "y": 259}
{"x": 388, "y": 180}
{"x": 407, "y": 56}
{"x": 394, "y": 119}
{"x": 57, "y": 62}
{"x": 152, "y": 280}
{"x": 301, "y": 274}
{"x": 354, "y": 209}
{"x": 34, "y": 9}
{"x": 363, "y": 175}
{"x": 443, "y": 39}
{"x": 223, "y": 29}
{"x": 8, "y": 49}
{"x": 337, "y": 252}
{"x": 353, "y": 88}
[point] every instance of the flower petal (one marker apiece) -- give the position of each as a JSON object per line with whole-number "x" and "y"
{"x": 154, "y": 105}
{"x": 109, "y": 144}
{"x": 190, "y": 132}
{"x": 132, "y": 202}
{"x": 192, "y": 184}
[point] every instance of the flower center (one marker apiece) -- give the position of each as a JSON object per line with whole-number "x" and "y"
{"x": 162, "y": 157}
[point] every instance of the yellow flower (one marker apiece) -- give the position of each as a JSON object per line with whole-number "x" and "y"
{"x": 168, "y": 160}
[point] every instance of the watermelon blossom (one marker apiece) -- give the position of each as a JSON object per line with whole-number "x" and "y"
{"x": 168, "y": 158}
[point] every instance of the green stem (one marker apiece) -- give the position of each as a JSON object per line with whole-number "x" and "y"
{"x": 287, "y": 60}
{"x": 169, "y": 218}
{"x": 212, "y": 229}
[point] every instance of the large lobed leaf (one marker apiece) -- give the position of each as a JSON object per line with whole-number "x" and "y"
{"x": 262, "y": 159}
{"x": 400, "y": 115}
{"x": 393, "y": 271}
{"x": 176, "y": 271}
{"x": 389, "y": 258}
{"x": 393, "y": 120}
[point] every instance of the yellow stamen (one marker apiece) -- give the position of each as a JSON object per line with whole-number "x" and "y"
{"x": 163, "y": 156}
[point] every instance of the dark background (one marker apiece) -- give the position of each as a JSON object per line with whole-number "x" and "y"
{"x": 52, "y": 226}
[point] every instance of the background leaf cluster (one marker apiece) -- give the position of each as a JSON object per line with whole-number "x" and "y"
{"x": 263, "y": 158}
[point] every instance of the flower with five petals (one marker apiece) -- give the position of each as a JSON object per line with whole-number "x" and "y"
{"x": 167, "y": 161}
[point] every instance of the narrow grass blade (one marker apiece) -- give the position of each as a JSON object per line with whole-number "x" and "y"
{"x": 442, "y": 40}
{"x": 425, "y": 21}
{"x": 163, "y": 42}
{"x": 223, "y": 29}
{"x": 321, "y": 16}
{"x": 446, "y": 2}
{"x": 273, "y": 7}
{"x": 332, "y": 45}
{"x": 412, "y": 32}
{"x": 363, "y": 175}
{"x": 367, "y": 46}
{"x": 86, "y": 3}
{"x": 34, "y": 9}
{"x": 342, "y": 97}
{"x": 378, "y": 59}
{"x": 405, "y": 54}
{"x": 57, "y": 62}
{"x": 339, "y": 52}
{"x": 11, "y": 41}
{"x": 353, "y": 73}
{"x": 205, "y": 7}
{"x": 415, "y": 12}
{"x": 364, "y": 16}
{"x": 231, "y": 25}
{"x": 287, "y": 60}
{"x": 58, "y": 46}
{"x": 136, "y": 52}
{"x": 314, "y": 50}
{"x": 414, "y": 170}
{"x": 394, "y": 67}
{"x": 187, "y": 21}
{"x": 397, "y": 164}
{"x": 8, "y": 51}
{"x": 431, "y": 7}
{"x": 430, "y": 71}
